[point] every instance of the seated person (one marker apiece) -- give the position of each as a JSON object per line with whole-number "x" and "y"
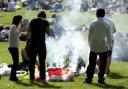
{"x": 1, "y": 28}
{"x": 11, "y": 5}
{"x": 5, "y": 33}
{"x": 52, "y": 19}
{"x": 58, "y": 28}
{"x": 57, "y": 7}
{"x": 24, "y": 53}
{"x": 56, "y": 21}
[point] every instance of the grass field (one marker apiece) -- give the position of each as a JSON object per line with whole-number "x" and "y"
{"x": 118, "y": 78}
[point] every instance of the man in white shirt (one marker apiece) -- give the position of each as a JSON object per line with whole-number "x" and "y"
{"x": 100, "y": 41}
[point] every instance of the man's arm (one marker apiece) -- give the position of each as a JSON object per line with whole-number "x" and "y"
{"x": 90, "y": 34}
{"x": 49, "y": 31}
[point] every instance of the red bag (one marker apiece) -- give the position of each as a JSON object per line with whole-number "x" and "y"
{"x": 56, "y": 71}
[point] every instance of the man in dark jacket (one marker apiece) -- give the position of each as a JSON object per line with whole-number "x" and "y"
{"x": 38, "y": 27}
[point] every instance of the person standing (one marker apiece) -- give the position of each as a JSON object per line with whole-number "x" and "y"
{"x": 113, "y": 30}
{"x": 100, "y": 41}
{"x": 38, "y": 27}
{"x": 107, "y": 19}
{"x": 14, "y": 44}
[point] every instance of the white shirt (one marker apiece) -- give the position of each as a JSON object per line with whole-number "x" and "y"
{"x": 111, "y": 23}
{"x": 14, "y": 37}
{"x": 100, "y": 39}
{"x": 5, "y": 32}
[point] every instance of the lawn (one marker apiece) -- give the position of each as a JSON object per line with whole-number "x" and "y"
{"x": 118, "y": 78}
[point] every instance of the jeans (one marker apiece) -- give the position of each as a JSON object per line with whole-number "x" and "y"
{"x": 15, "y": 56}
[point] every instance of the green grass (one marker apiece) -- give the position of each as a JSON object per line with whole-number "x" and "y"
{"x": 121, "y": 22}
{"x": 7, "y": 16}
{"x": 118, "y": 78}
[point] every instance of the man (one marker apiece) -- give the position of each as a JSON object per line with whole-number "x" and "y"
{"x": 100, "y": 41}
{"x": 38, "y": 27}
{"x": 113, "y": 30}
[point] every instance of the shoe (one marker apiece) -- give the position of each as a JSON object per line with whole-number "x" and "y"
{"x": 101, "y": 82}
{"x": 88, "y": 81}
{"x": 14, "y": 79}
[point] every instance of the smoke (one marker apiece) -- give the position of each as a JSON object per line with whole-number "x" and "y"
{"x": 71, "y": 45}
{"x": 120, "y": 48}
{"x": 75, "y": 5}
{"x": 67, "y": 49}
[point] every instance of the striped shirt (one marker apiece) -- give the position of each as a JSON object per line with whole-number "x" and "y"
{"x": 14, "y": 37}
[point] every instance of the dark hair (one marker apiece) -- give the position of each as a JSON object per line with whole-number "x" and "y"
{"x": 42, "y": 14}
{"x": 53, "y": 15}
{"x": 16, "y": 19}
{"x": 100, "y": 12}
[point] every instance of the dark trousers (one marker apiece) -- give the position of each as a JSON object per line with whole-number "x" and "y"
{"x": 92, "y": 64}
{"x": 15, "y": 57}
{"x": 40, "y": 50}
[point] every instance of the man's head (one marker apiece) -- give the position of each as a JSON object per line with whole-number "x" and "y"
{"x": 53, "y": 15}
{"x": 42, "y": 14}
{"x": 100, "y": 12}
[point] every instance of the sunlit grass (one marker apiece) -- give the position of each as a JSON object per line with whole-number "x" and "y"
{"x": 118, "y": 78}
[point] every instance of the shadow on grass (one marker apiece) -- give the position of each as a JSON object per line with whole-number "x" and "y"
{"x": 38, "y": 84}
{"x": 116, "y": 76}
{"x": 108, "y": 86}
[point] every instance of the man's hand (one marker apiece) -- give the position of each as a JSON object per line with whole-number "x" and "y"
{"x": 109, "y": 52}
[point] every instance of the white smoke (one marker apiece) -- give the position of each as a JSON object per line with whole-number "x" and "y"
{"x": 72, "y": 45}
{"x": 120, "y": 48}
{"x": 75, "y": 5}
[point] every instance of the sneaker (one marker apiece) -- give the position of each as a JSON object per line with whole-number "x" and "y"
{"x": 88, "y": 81}
{"x": 101, "y": 81}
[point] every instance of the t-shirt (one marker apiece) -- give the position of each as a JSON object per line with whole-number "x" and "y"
{"x": 38, "y": 28}
{"x": 14, "y": 37}
{"x": 100, "y": 36}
